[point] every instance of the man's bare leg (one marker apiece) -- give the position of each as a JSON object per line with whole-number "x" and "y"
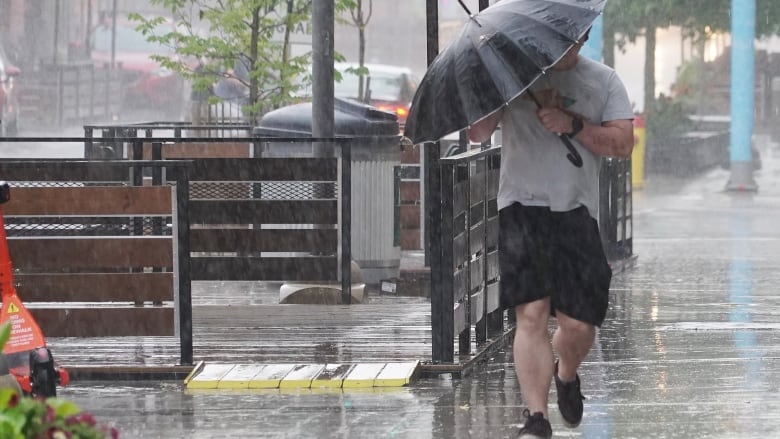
{"x": 533, "y": 354}
{"x": 572, "y": 342}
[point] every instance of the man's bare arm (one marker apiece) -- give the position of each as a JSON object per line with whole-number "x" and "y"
{"x": 482, "y": 130}
{"x": 610, "y": 139}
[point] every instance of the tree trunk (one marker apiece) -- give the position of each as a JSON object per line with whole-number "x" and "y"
{"x": 286, "y": 47}
{"x": 361, "y": 25}
{"x": 255, "y": 35}
{"x": 650, "y": 67}
{"x": 608, "y": 51}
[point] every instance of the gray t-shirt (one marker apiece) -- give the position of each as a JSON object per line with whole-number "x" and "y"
{"x": 534, "y": 167}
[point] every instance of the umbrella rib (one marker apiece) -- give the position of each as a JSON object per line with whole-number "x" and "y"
{"x": 510, "y": 69}
{"x": 464, "y": 90}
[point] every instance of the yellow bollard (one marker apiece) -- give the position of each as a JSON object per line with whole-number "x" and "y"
{"x": 638, "y": 154}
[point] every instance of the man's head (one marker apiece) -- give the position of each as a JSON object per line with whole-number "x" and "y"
{"x": 569, "y": 60}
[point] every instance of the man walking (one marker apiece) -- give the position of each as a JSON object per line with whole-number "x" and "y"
{"x": 551, "y": 258}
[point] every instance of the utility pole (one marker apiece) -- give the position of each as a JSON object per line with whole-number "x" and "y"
{"x": 594, "y": 47}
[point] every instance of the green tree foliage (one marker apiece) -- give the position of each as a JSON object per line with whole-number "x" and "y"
{"x": 631, "y": 18}
{"x": 625, "y": 20}
{"x": 225, "y": 37}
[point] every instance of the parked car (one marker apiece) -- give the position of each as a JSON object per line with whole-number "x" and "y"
{"x": 388, "y": 88}
{"x": 146, "y": 84}
{"x": 9, "y": 96}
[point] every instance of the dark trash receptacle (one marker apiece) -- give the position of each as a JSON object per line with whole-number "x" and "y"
{"x": 375, "y": 159}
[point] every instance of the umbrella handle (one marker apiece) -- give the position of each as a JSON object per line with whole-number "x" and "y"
{"x": 574, "y": 156}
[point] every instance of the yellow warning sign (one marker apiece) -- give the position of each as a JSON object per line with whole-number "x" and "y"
{"x": 12, "y": 308}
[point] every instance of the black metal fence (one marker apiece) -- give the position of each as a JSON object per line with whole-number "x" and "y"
{"x": 465, "y": 298}
{"x": 230, "y": 198}
{"x": 252, "y": 217}
{"x": 616, "y": 208}
{"x": 465, "y": 293}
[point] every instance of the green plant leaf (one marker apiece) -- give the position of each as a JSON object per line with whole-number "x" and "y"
{"x": 62, "y": 407}
{"x": 12, "y": 424}
{"x": 5, "y": 397}
{"x": 5, "y": 334}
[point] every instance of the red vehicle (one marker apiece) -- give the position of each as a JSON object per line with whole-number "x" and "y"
{"x": 146, "y": 84}
{"x": 9, "y": 97}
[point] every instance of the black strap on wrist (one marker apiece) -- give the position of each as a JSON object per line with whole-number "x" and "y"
{"x": 576, "y": 126}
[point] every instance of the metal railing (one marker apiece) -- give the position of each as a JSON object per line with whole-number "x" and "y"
{"x": 464, "y": 266}
{"x": 255, "y": 218}
{"x": 465, "y": 309}
{"x": 616, "y": 208}
{"x": 466, "y": 294}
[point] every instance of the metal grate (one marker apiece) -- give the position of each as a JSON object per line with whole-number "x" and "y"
{"x": 267, "y": 190}
{"x": 84, "y": 226}
{"x": 88, "y": 226}
{"x": 220, "y": 191}
{"x": 47, "y": 184}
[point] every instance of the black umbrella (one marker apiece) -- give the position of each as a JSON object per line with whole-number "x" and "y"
{"x": 498, "y": 54}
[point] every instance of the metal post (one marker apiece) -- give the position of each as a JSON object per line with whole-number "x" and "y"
{"x": 605, "y": 209}
{"x": 430, "y": 156}
{"x": 185, "y": 275}
{"x": 441, "y": 294}
{"x": 113, "y": 35}
{"x": 346, "y": 222}
{"x": 593, "y": 48}
{"x": 88, "y": 144}
{"x": 463, "y": 176}
{"x": 156, "y": 180}
{"x": 323, "y": 124}
{"x": 743, "y": 33}
{"x": 496, "y": 318}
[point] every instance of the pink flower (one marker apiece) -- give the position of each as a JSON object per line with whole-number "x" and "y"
{"x": 51, "y": 415}
{"x": 81, "y": 418}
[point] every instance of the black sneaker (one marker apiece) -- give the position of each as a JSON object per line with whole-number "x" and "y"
{"x": 536, "y": 427}
{"x": 569, "y": 399}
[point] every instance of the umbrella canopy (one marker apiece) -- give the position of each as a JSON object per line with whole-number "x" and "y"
{"x": 496, "y": 56}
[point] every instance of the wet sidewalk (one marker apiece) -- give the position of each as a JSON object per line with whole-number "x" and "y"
{"x": 690, "y": 349}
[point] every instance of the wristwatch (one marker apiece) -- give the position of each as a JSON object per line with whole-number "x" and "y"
{"x": 576, "y": 126}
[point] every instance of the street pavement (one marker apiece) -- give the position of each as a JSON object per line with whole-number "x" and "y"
{"x": 690, "y": 349}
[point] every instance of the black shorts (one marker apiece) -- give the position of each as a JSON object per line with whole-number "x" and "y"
{"x": 553, "y": 254}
